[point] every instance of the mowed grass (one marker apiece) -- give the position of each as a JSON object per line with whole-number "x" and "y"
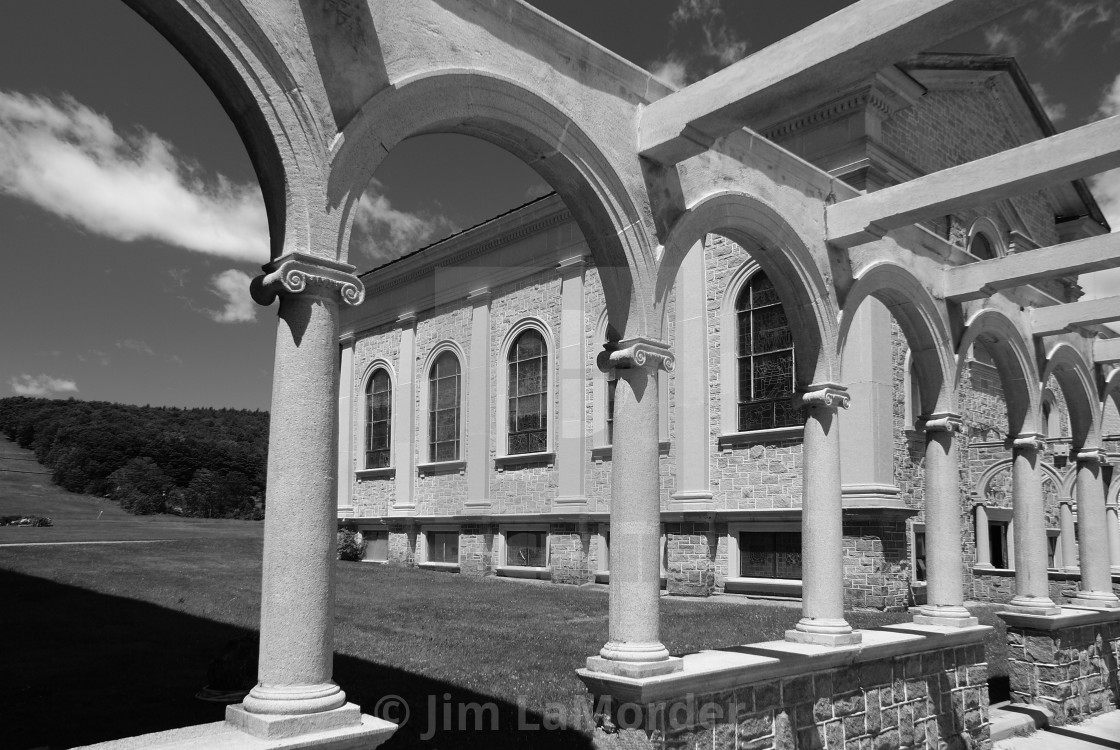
{"x": 118, "y": 637}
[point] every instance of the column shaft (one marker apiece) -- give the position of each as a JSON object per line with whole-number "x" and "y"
{"x": 822, "y": 523}
{"x": 479, "y": 412}
{"x": 404, "y": 421}
{"x": 346, "y": 428}
{"x": 297, "y": 589}
{"x": 944, "y": 556}
{"x": 1068, "y": 535}
{"x": 1096, "y": 576}
{"x": 983, "y": 543}
{"x": 1112, "y": 521}
{"x": 1032, "y": 587}
{"x": 693, "y": 442}
{"x": 570, "y": 453}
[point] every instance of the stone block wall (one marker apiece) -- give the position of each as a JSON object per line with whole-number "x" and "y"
{"x": 689, "y": 563}
{"x": 476, "y": 549}
{"x": 402, "y": 544}
{"x": 936, "y": 699}
{"x": 568, "y": 552}
{"x": 1071, "y": 671}
{"x": 876, "y": 565}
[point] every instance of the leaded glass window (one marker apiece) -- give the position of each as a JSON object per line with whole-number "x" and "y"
{"x": 528, "y": 394}
{"x": 379, "y": 410}
{"x": 770, "y": 554}
{"x": 444, "y": 392}
{"x": 765, "y": 353}
{"x": 526, "y": 549}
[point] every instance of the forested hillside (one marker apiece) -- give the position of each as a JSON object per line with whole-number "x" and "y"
{"x": 208, "y": 463}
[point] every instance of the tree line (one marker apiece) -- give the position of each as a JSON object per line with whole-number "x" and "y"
{"x": 206, "y": 463}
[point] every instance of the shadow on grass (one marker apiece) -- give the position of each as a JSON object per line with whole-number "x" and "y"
{"x": 83, "y": 667}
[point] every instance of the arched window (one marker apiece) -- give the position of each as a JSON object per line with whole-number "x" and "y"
{"x": 379, "y": 414}
{"x": 981, "y": 247}
{"x": 444, "y": 395}
{"x": 527, "y": 388}
{"x": 765, "y": 356}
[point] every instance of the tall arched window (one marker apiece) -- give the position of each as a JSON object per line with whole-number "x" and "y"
{"x": 379, "y": 414}
{"x": 528, "y": 394}
{"x": 981, "y": 247}
{"x": 444, "y": 392}
{"x": 765, "y": 356}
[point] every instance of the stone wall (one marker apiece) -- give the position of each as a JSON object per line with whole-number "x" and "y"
{"x": 876, "y": 565}
{"x": 476, "y": 549}
{"x": 1070, "y": 667}
{"x": 689, "y": 559}
{"x": 402, "y": 544}
{"x": 568, "y": 552}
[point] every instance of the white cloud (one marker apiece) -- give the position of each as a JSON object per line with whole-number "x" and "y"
{"x": 71, "y": 161}
{"x": 702, "y": 42}
{"x": 232, "y": 286}
{"x": 135, "y": 345}
{"x": 390, "y": 233}
{"x": 1106, "y": 189}
{"x": 41, "y": 386}
{"x": 1056, "y": 111}
{"x": 1001, "y": 41}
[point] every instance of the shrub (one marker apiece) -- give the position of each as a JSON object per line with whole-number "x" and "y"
{"x": 25, "y": 521}
{"x": 351, "y": 546}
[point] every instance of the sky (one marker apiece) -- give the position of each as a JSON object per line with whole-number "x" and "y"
{"x": 131, "y": 221}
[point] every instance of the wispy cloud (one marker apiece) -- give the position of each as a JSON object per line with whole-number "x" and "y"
{"x": 71, "y": 161}
{"x": 1001, "y": 41}
{"x": 1056, "y": 111}
{"x": 1106, "y": 189}
{"x": 41, "y": 386}
{"x": 701, "y": 43}
{"x": 1049, "y": 26}
{"x": 387, "y": 233}
{"x": 135, "y": 345}
{"x": 232, "y": 287}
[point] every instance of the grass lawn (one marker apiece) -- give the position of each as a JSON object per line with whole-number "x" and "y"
{"x": 117, "y": 638}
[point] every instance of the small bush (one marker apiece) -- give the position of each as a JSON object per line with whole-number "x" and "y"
{"x": 25, "y": 521}
{"x": 351, "y": 546}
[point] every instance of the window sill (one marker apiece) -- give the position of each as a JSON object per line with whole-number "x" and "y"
{"x": 522, "y": 571}
{"x": 376, "y": 562}
{"x": 544, "y": 457}
{"x": 988, "y": 570}
{"x": 606, "y": 451}
{"x": 735, "y": 439}
{"x": 442, "y": 567}
{"x": 779, "y": 586}
{"x": 442, "y": 467}
{"x": 386, "y": 471}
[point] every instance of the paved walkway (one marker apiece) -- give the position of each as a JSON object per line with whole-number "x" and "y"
{"x": 1099, "y": 733}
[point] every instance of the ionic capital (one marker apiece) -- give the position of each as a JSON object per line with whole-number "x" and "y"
{"x": 299, "y": 273}
{"x": 822, "y": 395}
{"x": 942, "y": 422}
{"x": 635, "y": 353}
{"x": 1089, "y": 456}
{"x": 1028, "y": 441}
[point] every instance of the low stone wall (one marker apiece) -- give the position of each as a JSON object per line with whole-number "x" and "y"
{"x": 568, "y": 549}
{"x": 1066, "y": 663}
{"x": 904, "y": 687}
{"x": 689, "y": 559}
{"x": 876, "y": 564}
{"x": 998, "y": 586}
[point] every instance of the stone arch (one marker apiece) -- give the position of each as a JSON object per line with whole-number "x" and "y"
{"x": 782, "y": 254}
{"x": 1075, "y": 378}
{"x": 251, "y": 79}
{"x": 1015, "y": 363}
{"x": 503, "y": 112}
{"x": 986, "y": 228}
{"x": 922, "y": 321}
{"x": 1003, "y": 465}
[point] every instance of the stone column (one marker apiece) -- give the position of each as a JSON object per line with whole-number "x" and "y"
{"x": 1032, "y": 587}
{"x": 822, "y": 523}
{"x": 572, "y": 388}
{"x": 983, "y": 543}
{"x": 1096, "y": 575}
{"x": 346, "y": 426}
{"x": 1112, "y": 521}
{"x": 297, "y": 587}
{"x": 944, "y": 556}
{"x": 404, "y": 421}
{"x": 479, "y": 412}
{"x": 693, "y": 441}
{"x": 634, "y": 648}
{"x": 1068, "y": 535}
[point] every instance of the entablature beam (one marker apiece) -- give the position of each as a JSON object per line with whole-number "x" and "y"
{"x": 1106, "y": 351}
{"x": 1047, "y": 321}
{"x": 1076, "y": 153}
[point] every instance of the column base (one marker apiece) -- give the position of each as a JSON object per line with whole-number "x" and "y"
{"x": 292, "y": 700}
{"x": 634, "y": 669}
{"x": 947, "y": 616}
{"x": 283, "y": 726}
{"x": 1033, "y": 605}
{"x": 1095, "y": 600}
{"x": 824, "y": 632}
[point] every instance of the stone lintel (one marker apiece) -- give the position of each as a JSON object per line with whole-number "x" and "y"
{"x": 1067, "y": 617}
{"x": 691, "y": 501}
{"x": 717, "y": 670}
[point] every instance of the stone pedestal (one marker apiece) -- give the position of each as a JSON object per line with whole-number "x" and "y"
{"x": 822, "y": 528}
{"x": 635, "y": 646}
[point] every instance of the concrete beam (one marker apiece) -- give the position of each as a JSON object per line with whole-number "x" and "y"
{"x": 1076, "y": 153}
{"x": 1106, "y": 351}
{"x": 810, "y": 66}
{"x": 986, "y": 277}
{"x": 1046, "y": 321}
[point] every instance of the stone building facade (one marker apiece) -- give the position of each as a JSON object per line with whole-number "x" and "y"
{"x": 503, "y": 466}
